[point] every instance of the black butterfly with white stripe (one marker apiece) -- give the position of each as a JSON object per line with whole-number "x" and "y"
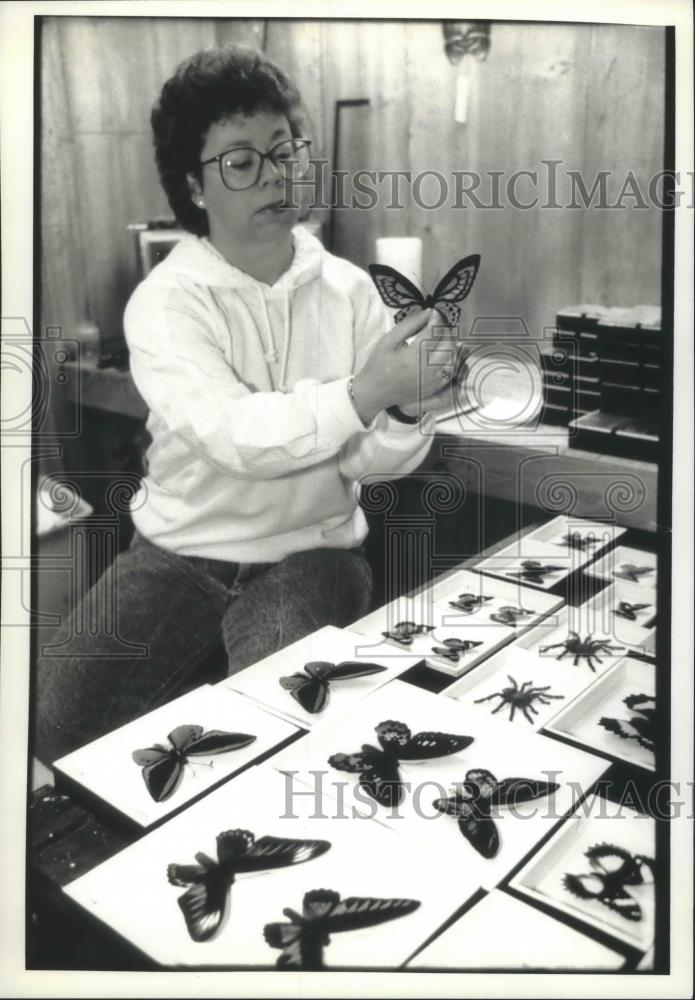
{"x": 303, "y": 939}
{"x": 206, "y": 901}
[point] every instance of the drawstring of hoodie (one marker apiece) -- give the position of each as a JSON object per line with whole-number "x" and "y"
{"x": 271, "y": 354}
{"x": 282, "y": 385}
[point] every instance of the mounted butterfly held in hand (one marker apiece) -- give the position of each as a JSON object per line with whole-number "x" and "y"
{"x": 398, "y": 292}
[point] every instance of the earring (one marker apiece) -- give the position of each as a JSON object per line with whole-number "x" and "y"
{"x": 200, "y": 202}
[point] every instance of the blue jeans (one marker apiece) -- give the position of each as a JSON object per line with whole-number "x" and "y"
{"x": 152, "y": 624}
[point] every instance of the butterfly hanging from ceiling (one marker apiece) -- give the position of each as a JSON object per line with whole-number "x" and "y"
{"x": 303, "y": 939}
{"x": 162, "y": 767}
{"x": 205, "y": 903}
{"x": 613, "y": 868}
{"x": 311, "y": 688}
{"x": 378, "y": 766}
{"x": 398, "y": 292}
{"x": 473, "y": 800}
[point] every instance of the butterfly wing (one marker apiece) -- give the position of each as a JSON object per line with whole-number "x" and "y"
{"x": 357, "y": 912}
{"x": 426, "y": 746}
{"x": 618, "y": 728}
{"x": 310, "y": 692}
{"x": 184, "y": 875}
{"x": 454, "y": 288}
{"x": 279, "y": 852}
{"x": 378, "y": 773}
{"x": 182, "y": 737}
{"x": 474, "y": 822}
{"x": 217, "y": 741}
{"x": 204, "y": 905}
{"x": 347, "y": 670}
{"x": 162, "y": 777}
{"x": 396, "y": 290}
{"x": 288, "y": 937}
{"x": 509, "y": 791}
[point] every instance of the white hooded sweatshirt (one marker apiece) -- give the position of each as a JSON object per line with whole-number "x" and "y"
{"x": 256, "y": 447}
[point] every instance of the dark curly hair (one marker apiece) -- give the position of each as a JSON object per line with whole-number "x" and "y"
{"x": 205, "y": 89}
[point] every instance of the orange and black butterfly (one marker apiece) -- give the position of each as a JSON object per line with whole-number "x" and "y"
{"x": 398, "y": 292}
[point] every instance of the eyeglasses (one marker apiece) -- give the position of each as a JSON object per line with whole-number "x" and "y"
{"x": 241, "y": 167}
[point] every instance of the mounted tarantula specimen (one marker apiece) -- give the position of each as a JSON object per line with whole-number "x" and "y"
{"x": 579, "y": 648}
{"x": 575, "y": 540}
{"x": 629, "y": 611}
{"x": 628, "y": 571}
{"x": 403, "y": 632}
{"x": 509, "y": 615}
{"x": 469, "y": 603}
{"x": 453, "y": 649}
{"x": 521, "y": 698}
{"x": 533, "y": 571}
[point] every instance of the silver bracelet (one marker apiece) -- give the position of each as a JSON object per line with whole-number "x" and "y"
{"x": 351, "y": 394}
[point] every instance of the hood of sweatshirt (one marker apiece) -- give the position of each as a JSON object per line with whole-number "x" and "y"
{"x": 197, "y": 261}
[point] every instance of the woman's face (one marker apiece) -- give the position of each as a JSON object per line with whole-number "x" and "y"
{"x": 252, "y": 214}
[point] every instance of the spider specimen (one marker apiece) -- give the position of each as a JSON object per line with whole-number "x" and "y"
{"x": 468, "y": 603}
{"x": 575, "y": 540}
{"x": 577, "y": 647}
{"x": 520, "y": 697}
{"x": 628, "y": 571}
{"x": 629, "y": 611}
{"x": 453, "y": 649}
{"x": 403, "y": 632}
{"x": 534, "y": 571}
{"x": 509, "y": 615}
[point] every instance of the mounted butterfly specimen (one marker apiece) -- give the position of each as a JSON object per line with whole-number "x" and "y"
{"x": 453, "y": 649}
{"x": 311, "y": 688}
{"x": 398, "y": 292}
{"x": 534, "y": 572}
{"x": 469, "y": 603}
{"x": 510, "y": 615}
{"x": 575, "y": 540}
{"x": 323, "y": 913}
{"x": 613, "y": 868}
{"x": 629, "y": 611}
{"x": 641, "y": 727}
{"x": 205, "y": 903}
{"x": 473, "y": 800}
{"x": 403, "y": 632}
{"x": 378, "y": 766}
{"x": 162, "y": 767}
{"x": 628, "y": 571}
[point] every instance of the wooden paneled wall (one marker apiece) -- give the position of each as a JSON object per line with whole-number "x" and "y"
{"x": 588, "y": 96}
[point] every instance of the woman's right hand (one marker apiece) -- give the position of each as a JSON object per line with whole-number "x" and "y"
{"x": 396, "y": 373}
